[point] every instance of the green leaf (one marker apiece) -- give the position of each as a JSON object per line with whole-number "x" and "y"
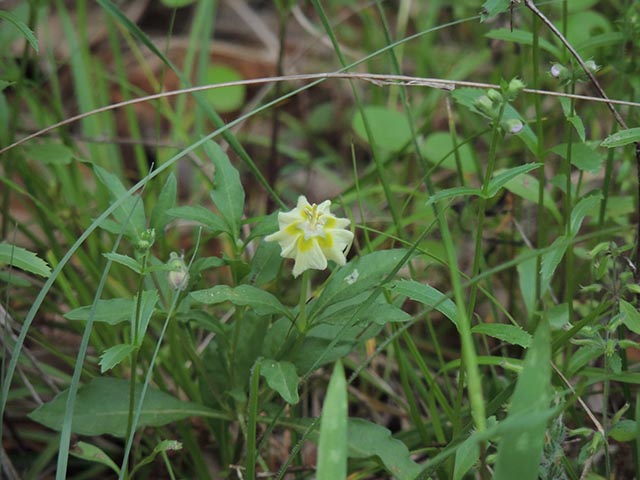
{"x": 527, "y": 281}
{"x": 356, "y": 277}
{"x": 519, "y": 452}
{"x": 262, "y": 302}
{"x": 526, "y": 186}
{"x": 163, "y": 446}
{"x": 226, "y": 99}
{"x": 390, "y": 128}
{"x": 125, "y": 260}
{"x": 50, "y": 153}
{"x": 428, "y": 296}
{"x": 22, "y": 27}
{"x": 630, "y": 316}
{"x": 111, "y": 311}
{"x": 367, "y": 439}
{"x": 332, "y": 444}
{"x": 491, "y": 8}
{"x": 23, "y": 259}
{"x": 622, "y": 138}
{"x": 551, "y": 260}
{"x": 102, "y": 407}
{"x": 147, "y": 306}
{"x": 583, "y": 157}
{"x": 576, "y": 121}
{"x": 131, "y": 211}
{"x": 523, "y": 38}
{"x": 467, "y": 455}
{"x": 507, "y": 333}
{"x": 201, "y": 215}
{"x": 265, "y": 263}
{"x": 379, "y": 312}
{"x": 453, "y": 192}
{"x": 623, "y": 431}
{"x": 91, "y": 453}
{"x": 227, "y": 194}
{"x": 438, "y": 144}
{"x": 166, "y": 201}
{"x": 502, "y": 177}
{"x": 586, "y": 206}
{"x": 112, "y": 356}
{"x": 281, "y": 377}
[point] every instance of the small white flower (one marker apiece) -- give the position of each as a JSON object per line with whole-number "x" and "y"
{"x": 311, "y": 235}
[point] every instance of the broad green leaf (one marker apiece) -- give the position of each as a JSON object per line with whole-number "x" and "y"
{"x": 166, "y": 201}
{"x": 453, "y": 192}
{"x": 507, "y": 333}
{"x": 551, "y": 260}
{"x": 111, "y": 311}
{"x": 527, "y": 282}
{"x": 356, "y": 277}
{"x": 112, "y": 356}
{"x": 367, "y": 439}
{"x": 281, "y": 377}
{"x": 163, "y": 446}
{"x": 623, "y": 431}
{"x": 50, "y": 153}
{"x": 102, "y": 407}
{"x": 622, "y": 138}
{"x": 601, "y": 40}
{"x": 519, "y": 452}
{"x": 91, "y": 453}
{"x": 491, "y": 8}
{"x": 502, "y": 177}
{"x": 262, "y": 302}
{"x": 467, "y": 455}
{"x": 576, "y": 121}
{"x": 438, "y": 144}
{"x": 584, "y": 207}
{"x": 131, "y": 211}
{"x": 125, "y": 260}
{"x": 227, "y": 194}
{"x": 23, "y": 259}
{"x": 226, "y": 99}
{"x": 427, "y": 295}
{"x": 526, "y": 186}
{"x": 147, "y": 306}
{"x": 584, "y": 24}
{"x": 583, "y": 157}
{"x": 265, "y": 263}
{"x": 379, "y": 312}
{"x": 199, "y": 214}
{"x": 332, "y": 444}
{"x": 630, "y": 316}
{"x": 22, "y": 27}
{"x": 389, "y": 127}
{"x": 523, "y": 38}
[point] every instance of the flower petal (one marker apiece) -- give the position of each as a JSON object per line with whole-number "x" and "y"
{"x": 309, "y": 258}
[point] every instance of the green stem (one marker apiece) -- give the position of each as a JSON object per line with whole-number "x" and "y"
{"x": 250, "y": 463}
{"x": 482, "y": 205}
{"x": 301, "y": 323}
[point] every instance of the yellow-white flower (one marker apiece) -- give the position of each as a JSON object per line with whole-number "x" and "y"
{"x": 311, "y": 235}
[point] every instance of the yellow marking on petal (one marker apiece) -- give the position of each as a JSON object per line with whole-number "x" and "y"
{"x": 305, "y": 244}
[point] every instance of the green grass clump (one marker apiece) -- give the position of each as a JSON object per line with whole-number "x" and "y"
{"x": 467, "y": 299}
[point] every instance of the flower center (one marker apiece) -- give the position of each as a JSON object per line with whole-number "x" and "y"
{"x": 314, "y": 218}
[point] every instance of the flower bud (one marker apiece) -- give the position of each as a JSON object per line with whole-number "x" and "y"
{"x": 178, "y": 276}
{"x": 146, "y": 241}
{"x": 558, "y": 71}
{"x": 484, "y": 106}
{"x": 592, "y": 66}
{"x": 515, "y": 87}
{"x": 513, "y": 125}
{"x": 495, "y": 96}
